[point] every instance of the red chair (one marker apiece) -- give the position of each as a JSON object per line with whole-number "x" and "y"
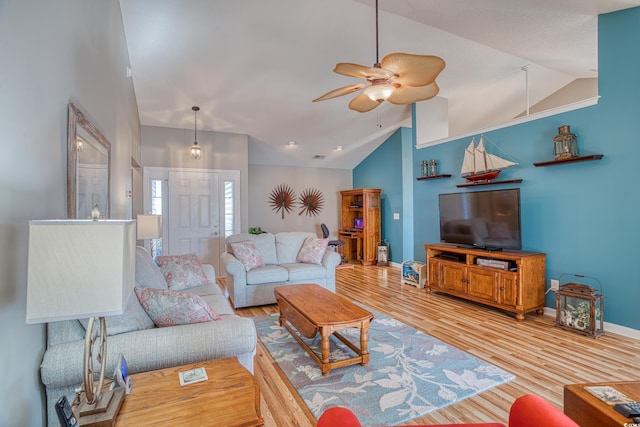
{"x": 527, "y": 411}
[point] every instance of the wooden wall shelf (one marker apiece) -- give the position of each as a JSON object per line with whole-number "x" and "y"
{"x": 478, "y": 184}
{"x": 424, "y": 178}
{"x": 570, "y": 160}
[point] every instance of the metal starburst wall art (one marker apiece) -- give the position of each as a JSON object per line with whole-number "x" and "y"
{"x": 281, "y": 199}
{"x": 311, "y": 201}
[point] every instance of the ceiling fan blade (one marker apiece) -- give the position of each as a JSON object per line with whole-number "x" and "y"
{"x": 410, "y": 94}
{"x": 362, "y": 103}
{"x": 360, "y": 71}
{"x": 413, "y": 70}
{"x": 341, "y": 91}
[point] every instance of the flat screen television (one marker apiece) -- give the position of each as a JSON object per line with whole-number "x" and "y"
{"x": 482, "y": 219}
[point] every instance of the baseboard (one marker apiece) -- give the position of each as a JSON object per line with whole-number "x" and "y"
{"x": 608, "y": 327}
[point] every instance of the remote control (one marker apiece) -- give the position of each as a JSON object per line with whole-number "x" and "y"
{"x": 629, "y": 410}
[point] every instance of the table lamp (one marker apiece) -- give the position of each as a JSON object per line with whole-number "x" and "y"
{"x": 80, "y": 269}
{"x": 149, "y": 227}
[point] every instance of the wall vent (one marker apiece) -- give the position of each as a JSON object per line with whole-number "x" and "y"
{"x": 319, "y": 157}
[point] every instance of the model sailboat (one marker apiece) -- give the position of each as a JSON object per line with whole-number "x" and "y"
{"x": 479, "y": 165}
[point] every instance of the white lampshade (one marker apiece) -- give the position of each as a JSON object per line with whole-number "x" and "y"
{"x": 149, "y": 226}
{"x": 79, "y": 269}
{"x": 379, "y": 91}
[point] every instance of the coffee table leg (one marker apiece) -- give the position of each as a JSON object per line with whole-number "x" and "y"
{"x": 281, "y": 319}
{"x": 326, "y": 349}
{"x": 364, "y": 342}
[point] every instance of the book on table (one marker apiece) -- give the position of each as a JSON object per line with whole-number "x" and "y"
{"x": 193, "y": 376}
{"x": 608, "y": 395}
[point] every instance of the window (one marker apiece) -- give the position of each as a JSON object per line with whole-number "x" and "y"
{"x": 156, "y": 209}
{"x": 229, "y": 211}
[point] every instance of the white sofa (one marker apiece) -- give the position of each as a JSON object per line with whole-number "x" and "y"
{"x": 145, "y": 346}
{"x": 279, "y": 252}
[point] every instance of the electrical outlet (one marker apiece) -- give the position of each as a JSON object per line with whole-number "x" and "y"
{"x": 555, "y": 284}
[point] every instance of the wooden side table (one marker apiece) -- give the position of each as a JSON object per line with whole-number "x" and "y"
{"x": 230, "y": 397}
{"x": 589, "y": 411}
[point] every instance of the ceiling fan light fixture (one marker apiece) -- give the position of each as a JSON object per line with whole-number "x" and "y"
{"x": 379, "y": 91}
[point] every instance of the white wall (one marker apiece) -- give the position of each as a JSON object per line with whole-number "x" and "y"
{"x": 52, "y": 53}
{"x": 575, "y": 91}
{"x": 169, "y": 147}
{"x": 263, "y": 180}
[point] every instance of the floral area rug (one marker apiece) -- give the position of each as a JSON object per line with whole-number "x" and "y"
{"x": 409, "y": 373}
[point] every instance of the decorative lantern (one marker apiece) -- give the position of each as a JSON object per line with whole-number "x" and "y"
{"x": 383, "y": 252}
{"x": 580, "y": 308}
{"x": 565, "y": 145}
{"x": 424, "y": 168}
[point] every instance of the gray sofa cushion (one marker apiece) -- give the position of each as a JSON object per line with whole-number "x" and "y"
{"x": 148, "y": 274}
{"x": 134, "y": 318}
{"x": 299, "y": 272}
{"x": 212, "y": 294}
{"x": 267, "y": 274}
{"x": 288, "y": 245}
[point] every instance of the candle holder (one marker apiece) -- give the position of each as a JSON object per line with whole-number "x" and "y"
{"x": 424, "y": 168}
{"x": 433, "y": 167}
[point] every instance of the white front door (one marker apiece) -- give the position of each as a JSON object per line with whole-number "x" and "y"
{"x": 194, "y": 218}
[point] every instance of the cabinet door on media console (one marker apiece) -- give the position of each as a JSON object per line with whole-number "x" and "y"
{"x": 508, "y": 289}
{"x": 482, "y": 283}
{"x": 453, "y": 277}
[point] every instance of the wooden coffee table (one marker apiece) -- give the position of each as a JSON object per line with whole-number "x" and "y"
{"x": 230, "y": 397}
{"x": 312, "y": 309}
{"x": 589, "y": 411}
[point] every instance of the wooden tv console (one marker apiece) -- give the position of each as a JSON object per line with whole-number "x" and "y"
{"x": 519, "y": 289}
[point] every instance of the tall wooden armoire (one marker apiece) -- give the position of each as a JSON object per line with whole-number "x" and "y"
{"x": 360, "y": 224}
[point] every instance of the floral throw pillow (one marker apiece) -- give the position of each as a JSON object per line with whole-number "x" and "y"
{"x": 182, "y": 271}
{"x": 248, "y": 255}
{"x": 170, "y": 308}
{"x": 312, "y": 250}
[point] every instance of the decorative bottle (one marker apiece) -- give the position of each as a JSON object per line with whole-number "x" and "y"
{"x": 425, "y": 167}
{"x": 433, "y": 167}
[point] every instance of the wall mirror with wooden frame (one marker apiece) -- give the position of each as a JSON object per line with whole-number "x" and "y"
{"x": 88, "y": 167}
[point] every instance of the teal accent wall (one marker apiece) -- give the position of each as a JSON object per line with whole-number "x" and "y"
{"x": 584, "y": 216}
{"x": 383, "y": 169}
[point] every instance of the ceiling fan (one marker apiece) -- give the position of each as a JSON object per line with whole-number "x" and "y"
{"x": 401, "y": 78}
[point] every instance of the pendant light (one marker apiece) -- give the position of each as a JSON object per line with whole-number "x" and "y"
{"x": 195, "y": 148}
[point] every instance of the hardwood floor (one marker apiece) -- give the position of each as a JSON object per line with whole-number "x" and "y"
{"x": 542, "y": 357}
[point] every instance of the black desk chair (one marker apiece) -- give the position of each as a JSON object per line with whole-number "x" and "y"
{"x": 334, "y": 244}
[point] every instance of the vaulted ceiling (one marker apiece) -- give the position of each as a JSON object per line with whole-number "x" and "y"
{"x": 254, "y": 66}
